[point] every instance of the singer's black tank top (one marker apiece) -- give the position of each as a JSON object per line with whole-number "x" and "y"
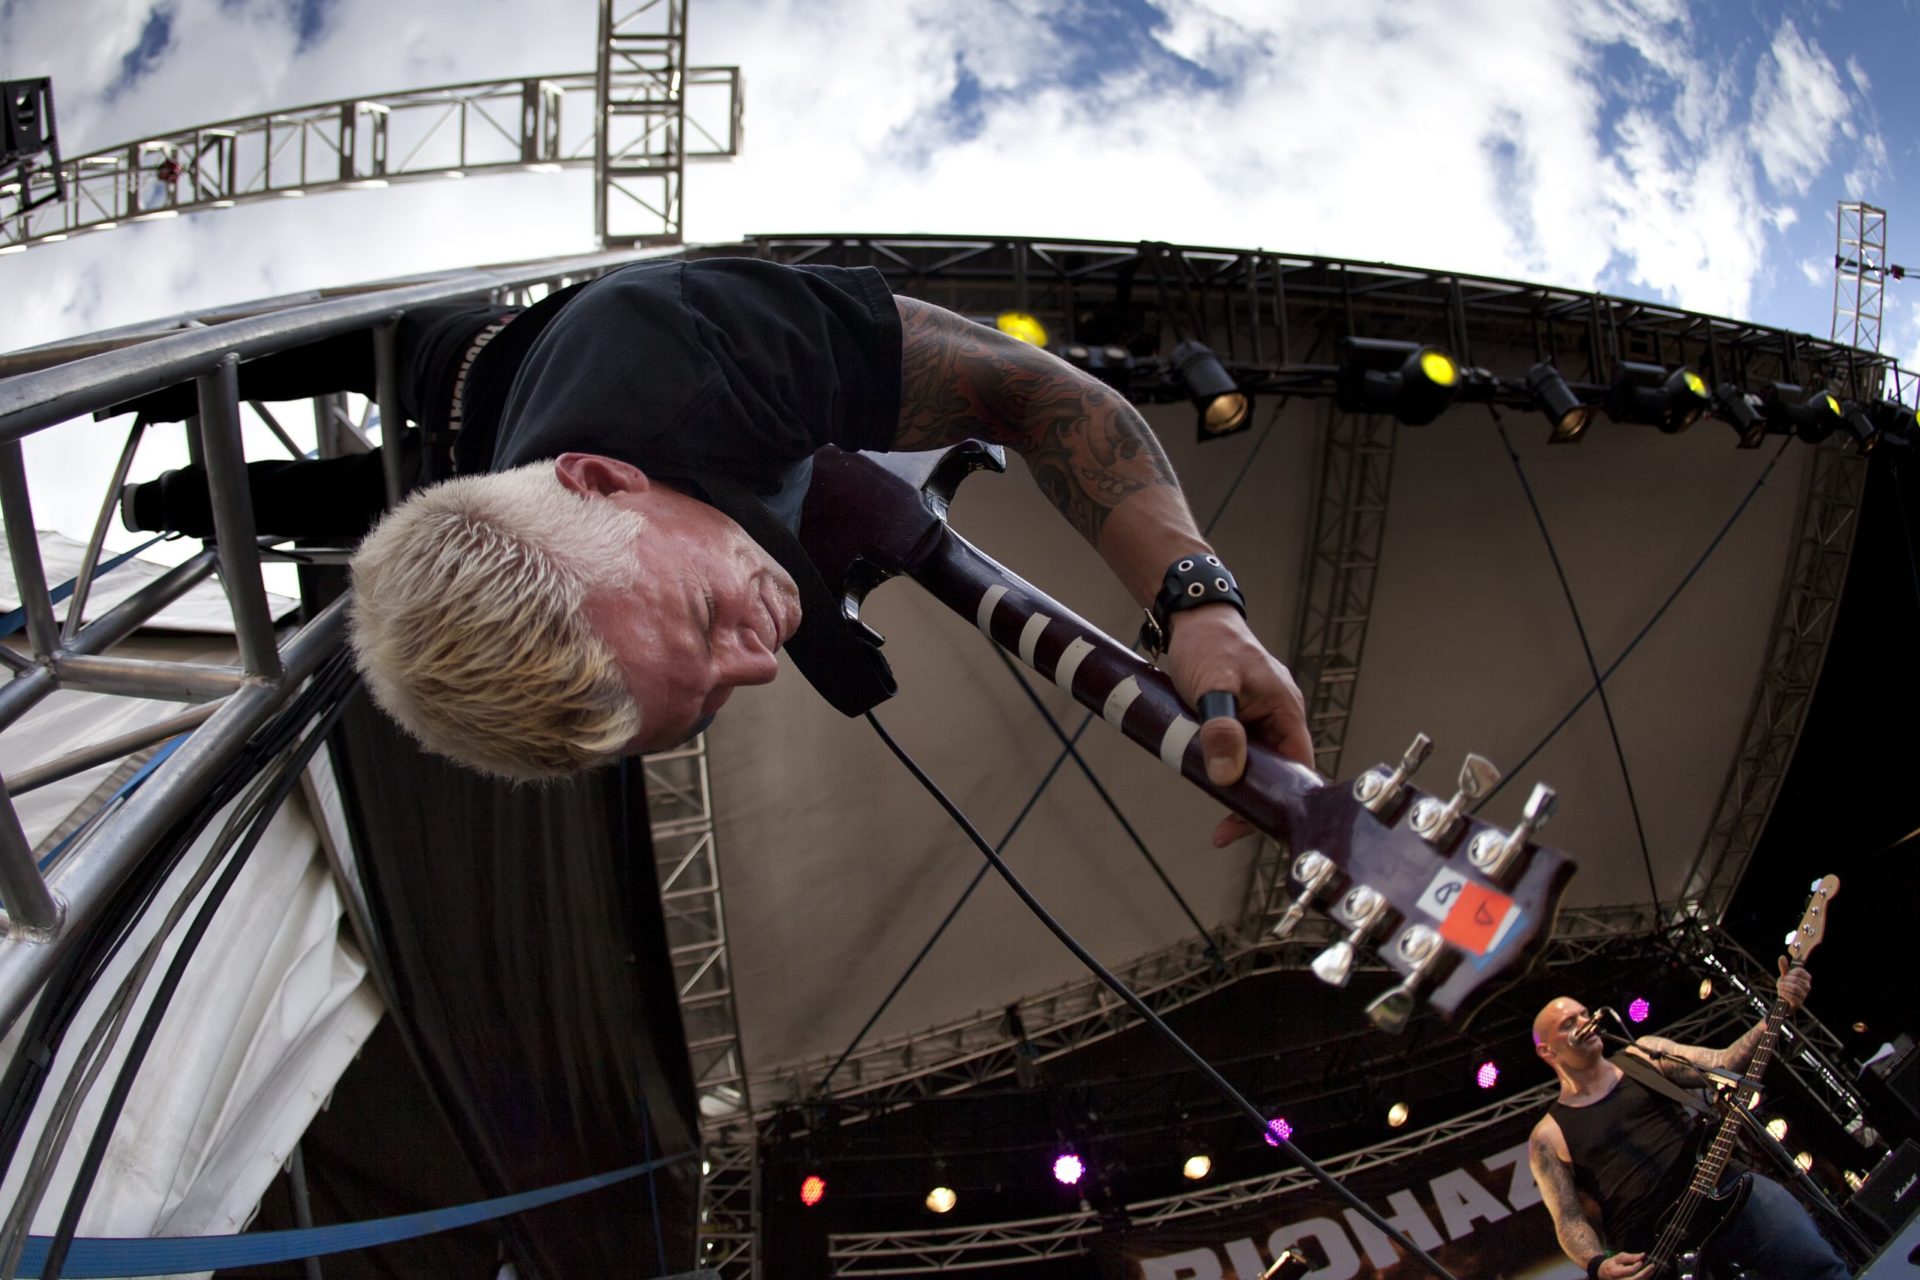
{"x": 1633, "y": 1152}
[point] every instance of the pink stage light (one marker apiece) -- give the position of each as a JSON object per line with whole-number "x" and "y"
{"x": 1639, "y": 1009}
{"x": 1067, "y": 1168}
{"x": 1488, "y": 1075}
{"x": 1278, "y": 1131}
{"x": 812, "y": 1188}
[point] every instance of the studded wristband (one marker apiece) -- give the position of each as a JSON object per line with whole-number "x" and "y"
{"x": 1190, "y": 581}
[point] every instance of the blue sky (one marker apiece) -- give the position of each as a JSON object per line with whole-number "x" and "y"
{"x": 1689, "y": 151}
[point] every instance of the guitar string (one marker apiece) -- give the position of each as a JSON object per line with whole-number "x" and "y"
{"x": 1586, "y": 647}
{"x": 1219, "y": 511}
{"x": 1147, "y": 1015}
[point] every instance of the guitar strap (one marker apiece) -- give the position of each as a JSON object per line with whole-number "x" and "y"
{"x": 837, "y": 656}
{"x": 1645, "y": 1074}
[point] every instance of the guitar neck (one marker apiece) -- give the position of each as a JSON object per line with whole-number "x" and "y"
{"x": 1106, "y": 678}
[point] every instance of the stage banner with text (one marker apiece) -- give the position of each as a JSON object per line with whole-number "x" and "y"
{"x": 1470, "y": 1202}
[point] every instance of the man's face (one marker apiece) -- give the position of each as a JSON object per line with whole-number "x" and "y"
{"x": 1554, "y": 1029}
{"x": 706, "y": 612}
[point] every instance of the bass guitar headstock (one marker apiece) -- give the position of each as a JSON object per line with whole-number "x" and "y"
{"x": 1813, "y": 921}
{"x": 1457, "y": 907}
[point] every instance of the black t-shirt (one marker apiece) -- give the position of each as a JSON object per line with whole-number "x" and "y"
{"x": 1631, "y": 1151}
{"x": 721, "y": 366}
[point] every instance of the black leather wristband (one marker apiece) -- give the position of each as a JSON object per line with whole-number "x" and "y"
{"x": 1190, "y": 581}
{"x": 1594, "y": 1264}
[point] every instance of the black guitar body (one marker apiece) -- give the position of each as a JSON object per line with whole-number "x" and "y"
{"x": 1707, "y": 1214}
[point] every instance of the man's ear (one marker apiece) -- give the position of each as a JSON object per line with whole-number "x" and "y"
{"x": 595, "y": 474}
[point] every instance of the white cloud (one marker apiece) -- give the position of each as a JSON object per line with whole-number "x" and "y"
{"x": 1798, "y": 105}
{"x": 1490, "y": 137}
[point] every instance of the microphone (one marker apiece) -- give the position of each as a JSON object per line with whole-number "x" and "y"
{"x": 1592, "y": 1024}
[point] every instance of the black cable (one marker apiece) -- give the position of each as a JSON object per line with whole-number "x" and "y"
{"x": 1139, "y": 1006}
{"x": 1246, "y": 466}
{"x": 67, "y": 988}
{"x": 1634, "y": 643}
{"x": 1026, "y": 687}
{"x": 338, "y": 678}
{"x": 953, "y": 911}
{"x": 1586, "y": 647}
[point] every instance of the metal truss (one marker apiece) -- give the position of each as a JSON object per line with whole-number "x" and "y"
{"x": 1007, "y": 1244}
{"x": 1796, "y": 650}
{"x": 640, "y": 122}
{"x": 46, "y": 912}
{"x": 958, "y": 1056}
{"x": 1859, "y": 273}
{"x": 1273, "y": 317}
{"x": 446, "y": 132}
{"x": 1809, "y": 1051}
{"x": 680, "y": 803}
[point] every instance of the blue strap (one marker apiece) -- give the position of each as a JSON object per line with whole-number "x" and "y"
{"x": 103, "y": 1257}
{"x": 12, "y": 621}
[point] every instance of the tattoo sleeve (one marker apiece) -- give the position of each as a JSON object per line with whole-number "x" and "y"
{"x": 1088, "y": 448}
{"x": 1578, "y": 1239}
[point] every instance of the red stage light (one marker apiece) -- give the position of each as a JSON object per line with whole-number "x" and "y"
{"x": 812, "y": 1187}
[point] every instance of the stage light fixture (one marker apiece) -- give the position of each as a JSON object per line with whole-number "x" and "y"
{"x": 1553, "y": 397}
{"x": 1741, "y": 412}
{"x": 1224, "y": 408}
{"x": 1109, "y": 362}
{"x": 1488, "y": 1074}
{"x": 1639, "y": 1009}
{"x": 1804, "y": 1161}
{"x": 1018, "y": 324}
{"x": 812, "y": 1188}
{"x": 1894, "y": 419}
{"x": 1067, "y": 1168}
{"x": 1866, "y": 436}
{"x": 1198, "y": 1166}
{"x": 1290, "y": 1265}
{"x": 941, "y": 1199}
{"x": 1397, "y": 1115}
{"x": 1646, "y": 393}
{"x": 1413, "y": 382}
{"x": 1813, "y": 416}
{"x": 1278, "y": 1131}
{"x": 1778, "y": 1128}
{"x": 1706, "y": 988}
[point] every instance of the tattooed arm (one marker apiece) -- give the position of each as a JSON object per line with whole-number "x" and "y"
{"x": 1095, "y": 459}
{"x": 1793, "y": 986}
{"x": 1553, "y": 1175}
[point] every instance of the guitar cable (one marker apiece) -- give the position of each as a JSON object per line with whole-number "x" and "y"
{"x": 1147, "y": 1015}
{"x": 1206, "y": 938}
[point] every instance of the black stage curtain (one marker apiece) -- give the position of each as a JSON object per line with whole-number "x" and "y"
{"x": 522, "y": 932}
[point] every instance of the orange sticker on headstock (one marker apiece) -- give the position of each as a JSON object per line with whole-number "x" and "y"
{"x": 1477, "y": 918}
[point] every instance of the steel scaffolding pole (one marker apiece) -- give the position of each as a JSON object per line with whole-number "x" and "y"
{"x": 680, "y": 808}
{"x": 1345, "y": 534}
{"x": 527, "y": 124}
{"x": 1859, "y": 274}
{"x": 1796, "y": 650}
{"x": 640, "y": 128}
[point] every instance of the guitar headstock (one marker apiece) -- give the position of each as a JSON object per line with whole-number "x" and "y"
{"x": 1457, "y": 907}
{"x": 1813, "y": 921}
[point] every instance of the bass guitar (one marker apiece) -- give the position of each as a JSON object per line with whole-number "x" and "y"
{"x": 1704, "y": 1209}
{"x": 1456, "y": 907}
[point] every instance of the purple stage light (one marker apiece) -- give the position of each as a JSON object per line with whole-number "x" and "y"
{"x": 1278, "y": 1131}
{"x": 1067, "y": 1168}
{"x": 1639, "y": 1009}
{"x": 1488, "y": 1075}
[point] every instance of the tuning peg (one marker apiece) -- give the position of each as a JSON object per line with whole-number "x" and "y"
{"x": 1493, "y": 852}
{"x": 1311, "y": 870}
{"x": 1434, "y": 821}
{"x": 1378, "y": 787}
{"x": 1420, "y": 947}
{"x": 1363, "y": 906}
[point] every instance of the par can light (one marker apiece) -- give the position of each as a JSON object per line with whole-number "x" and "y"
{"x": 1413, "y": 382}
